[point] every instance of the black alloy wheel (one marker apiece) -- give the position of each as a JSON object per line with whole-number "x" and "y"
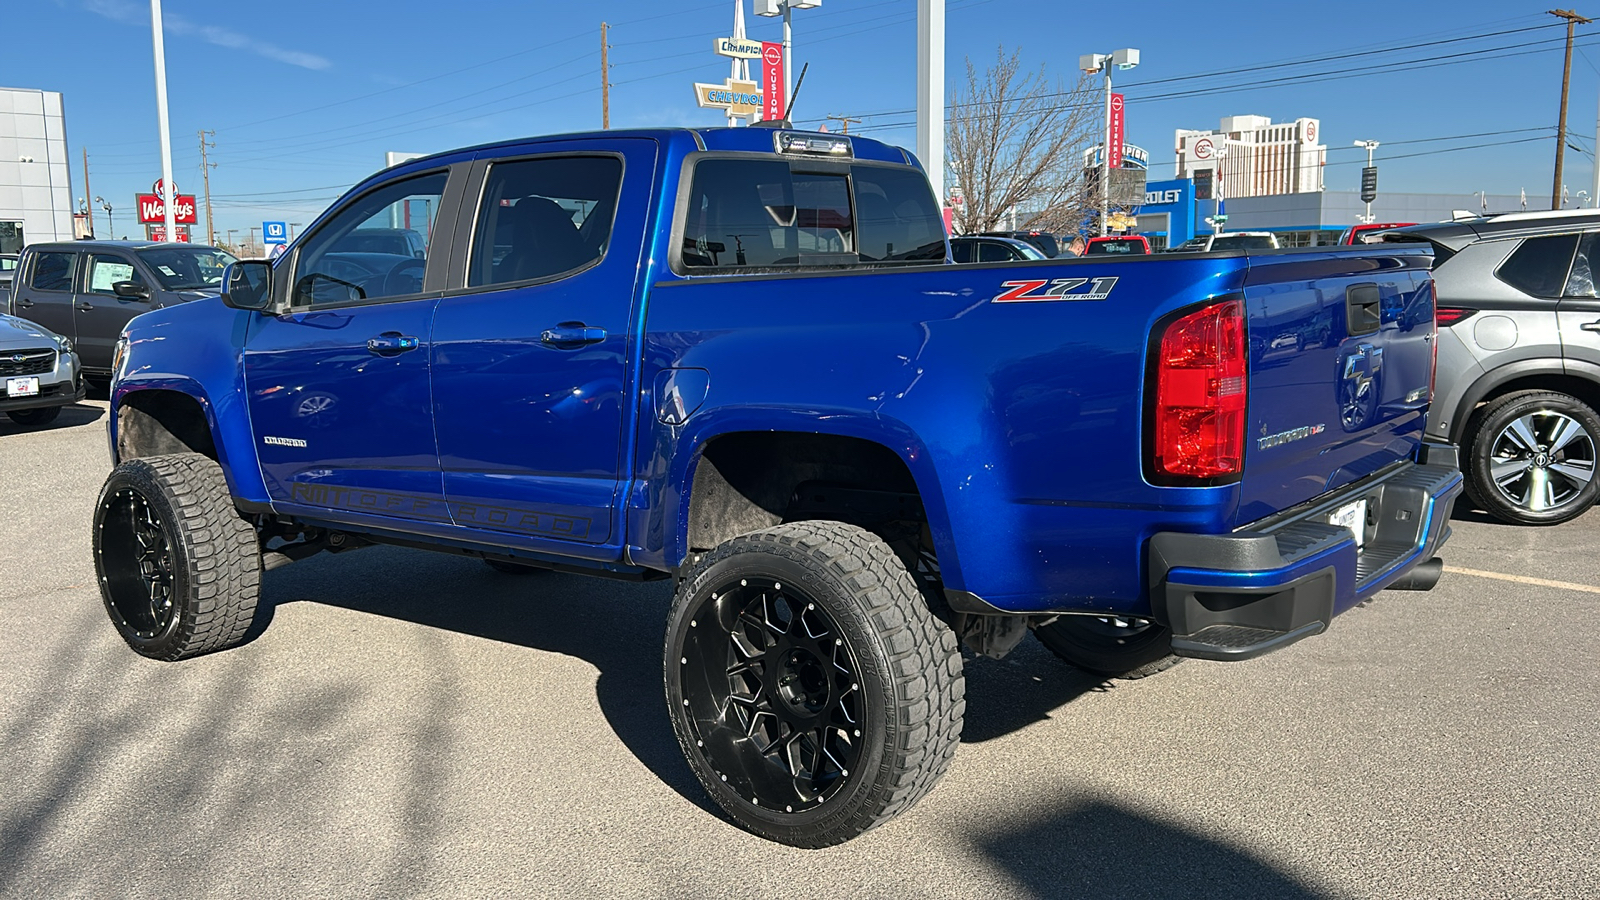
{"x": 136, "y": 555}
{"x": 779, "y": 711}
{"x": 813, "y": 692}
{"x": 179, "y": 568}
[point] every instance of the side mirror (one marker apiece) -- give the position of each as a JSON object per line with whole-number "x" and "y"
{"x": 248, "y": 285}
{"x": 130, "y": 290}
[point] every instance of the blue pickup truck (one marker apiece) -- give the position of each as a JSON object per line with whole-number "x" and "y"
{"x": 741, "y": 359}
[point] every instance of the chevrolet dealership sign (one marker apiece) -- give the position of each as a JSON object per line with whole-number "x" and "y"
{"x": 739, "y": 98}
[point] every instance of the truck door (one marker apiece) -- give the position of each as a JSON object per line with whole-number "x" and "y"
{"x": 531, "y": 361}
{"x": 44, "y": 291}
{"x": 337, "y": 385}
{"x": 98, "y": 313}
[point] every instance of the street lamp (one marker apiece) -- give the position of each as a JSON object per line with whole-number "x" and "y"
{"x": 770, "y": 8}
{"x": 110, "y": 228}
{"x": 1371, "y": 146}
{"x": 1104, "y": 62}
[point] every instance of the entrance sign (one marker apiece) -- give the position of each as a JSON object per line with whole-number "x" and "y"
{"x": 739, "y": 98}
{"x": 1118, "y": 128}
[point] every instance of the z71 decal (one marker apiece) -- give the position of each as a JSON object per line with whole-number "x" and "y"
{"x": 1045, "y": 290}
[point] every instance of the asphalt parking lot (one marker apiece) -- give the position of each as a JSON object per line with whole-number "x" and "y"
{"x": 416, "y": 725}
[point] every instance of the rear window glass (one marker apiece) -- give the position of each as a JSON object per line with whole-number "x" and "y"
{"x": 53, "y": 271}
{"x": 760, "y": 214}
{"x": 1539, "y": 266}
{"x": 1098, "y": 247}
{"x": 1243, "y": 242}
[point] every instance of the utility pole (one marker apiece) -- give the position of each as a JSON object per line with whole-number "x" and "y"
{"x": 1566, "y": 80}
{"x": 253, "y": 244}
{"x": 205, "y": 170}
{"x": 845, "y": 121}
{"x": 605, "y": 78}
{"x": 87, "y": 192}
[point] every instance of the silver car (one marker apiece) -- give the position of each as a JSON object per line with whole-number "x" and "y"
{"x": 1519, "y": 358}
{"x": 39, "y": 371}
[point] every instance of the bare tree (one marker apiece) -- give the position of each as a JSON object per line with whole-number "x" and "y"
{"x": 1016, "y": 141}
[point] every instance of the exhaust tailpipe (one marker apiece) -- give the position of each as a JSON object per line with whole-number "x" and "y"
{"x": 1421, "y": 578}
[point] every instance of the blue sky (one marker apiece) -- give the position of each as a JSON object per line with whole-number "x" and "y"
{"x": 305, "y": 97}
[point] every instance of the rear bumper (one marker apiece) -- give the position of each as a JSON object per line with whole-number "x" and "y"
{"x": 1240, "y": 595}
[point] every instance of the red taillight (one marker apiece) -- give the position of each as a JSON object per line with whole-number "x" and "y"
{"x": 1449, "y": 315}
{"x": 1433, "y": 368}
{"x": 1199, "y": 409}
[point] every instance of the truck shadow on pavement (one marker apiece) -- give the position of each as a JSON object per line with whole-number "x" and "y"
{"x": 617, "y": 627}
{"x": 1092, "y": 848}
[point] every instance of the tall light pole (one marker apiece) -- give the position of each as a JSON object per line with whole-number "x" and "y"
{"x": 930, "y": 94}
{"x": 1371, "y": 146}
{"x": 161, "y": 114}
{"x": 771, "y": 8}
{"x": 1105, "y": 62}
{"x": 111, "y": 230}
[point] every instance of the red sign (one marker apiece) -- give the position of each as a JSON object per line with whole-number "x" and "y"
{"x": 772, "y": 86}
{"x": 1118, "y": 124}
{"x": 151, "y": 209}
{"x": 159, "y": 233}
{"x": 1203, "y": 148}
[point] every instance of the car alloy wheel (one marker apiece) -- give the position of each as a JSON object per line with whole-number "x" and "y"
{"x": 1542, "y": 461}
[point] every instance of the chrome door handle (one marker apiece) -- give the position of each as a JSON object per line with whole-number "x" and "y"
{"x": 1590, "y": 326}
{"x": 572, "y": 334}
{"x": 391, "y": 343}
{"x": 25, "y": 303}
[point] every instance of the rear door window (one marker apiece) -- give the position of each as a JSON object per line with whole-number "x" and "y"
{"x": 763, "y": 214}
{"x": 991, "y": 251}
{"x": 53, "y": 271}
{"x": 544, "y": 218}
{"x": 1539, "y": 267}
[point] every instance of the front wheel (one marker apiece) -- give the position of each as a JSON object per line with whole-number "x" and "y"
{"x": 179, "y": 568}
{"x": 1110, "y": 646}
{"x": 812, "y": 691}
{"x": 1531, "y": 458}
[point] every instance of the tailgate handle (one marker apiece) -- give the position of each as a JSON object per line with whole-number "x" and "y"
{"x": 1362, "y": 310}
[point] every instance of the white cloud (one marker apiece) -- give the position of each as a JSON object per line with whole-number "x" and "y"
{"x": 133, "y": 14}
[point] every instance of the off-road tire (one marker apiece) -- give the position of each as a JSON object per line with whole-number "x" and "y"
{"x": 33, "y": 418}
{"x": 1495, "y": 417}
{"x": 907, "y": 666}
{"x": 1090, "y": 644}
{"x": 212, "y": 567}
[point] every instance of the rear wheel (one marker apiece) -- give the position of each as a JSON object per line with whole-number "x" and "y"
{"x": 1531, "y": 458}
{"x": 1111, "y": 646}
{"x": 179, "y": 568}
{"x": 33, "y": 418}
{"x": 812, "y": 691}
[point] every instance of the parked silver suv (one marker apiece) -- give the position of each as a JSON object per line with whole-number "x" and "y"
{"x": 1519, "y": 358}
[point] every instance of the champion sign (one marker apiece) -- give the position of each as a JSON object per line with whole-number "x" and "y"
{"x": 152, "y": 210}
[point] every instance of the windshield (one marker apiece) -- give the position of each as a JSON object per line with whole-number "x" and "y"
{"x": 187, "y": 268}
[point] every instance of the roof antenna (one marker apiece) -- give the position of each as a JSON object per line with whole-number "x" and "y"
{"x": 786, "y": 122}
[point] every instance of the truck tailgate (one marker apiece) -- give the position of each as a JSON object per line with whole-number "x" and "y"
{"x": 1341, "y": 362}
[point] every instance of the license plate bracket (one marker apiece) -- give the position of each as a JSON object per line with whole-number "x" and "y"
{"x": 22, "y": 387}
{"x": 1352, "y": 516}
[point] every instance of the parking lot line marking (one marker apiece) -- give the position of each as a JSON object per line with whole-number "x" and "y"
{"x": 1523, "y": 579}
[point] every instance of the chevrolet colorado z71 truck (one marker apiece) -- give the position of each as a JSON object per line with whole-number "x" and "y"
{"x": 740, "y": 358}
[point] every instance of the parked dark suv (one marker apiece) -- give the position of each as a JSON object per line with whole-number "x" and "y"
{"x": 1519, "y": 358}
{"x": 1044, "y": 240}
{"x": 88, "y": 290}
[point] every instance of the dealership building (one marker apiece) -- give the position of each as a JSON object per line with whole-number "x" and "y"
{"x": 35, "y": 186}
{"x": 1269, "y": 177}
